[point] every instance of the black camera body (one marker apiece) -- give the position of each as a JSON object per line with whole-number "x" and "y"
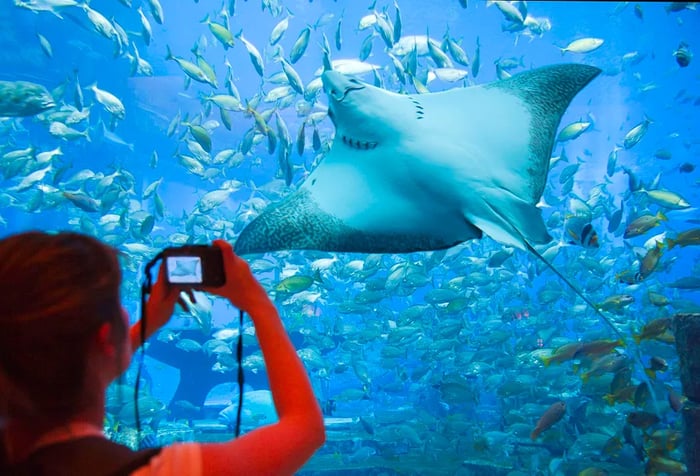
{"x": 194, "y": 266}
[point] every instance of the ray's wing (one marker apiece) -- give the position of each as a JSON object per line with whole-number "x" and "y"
{"x": 505, "y": 208}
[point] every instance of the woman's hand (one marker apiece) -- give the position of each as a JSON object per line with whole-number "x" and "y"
{"x": 241, "y": 288}
{"x": 159, "y": 308}
{"x": 161, "y": 302}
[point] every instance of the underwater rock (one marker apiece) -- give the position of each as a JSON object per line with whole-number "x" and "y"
{"x": 687, "y": 333}
{"x": 686, "y": 329}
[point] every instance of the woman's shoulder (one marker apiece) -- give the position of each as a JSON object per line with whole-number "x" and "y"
{"x": 177, "y": 459}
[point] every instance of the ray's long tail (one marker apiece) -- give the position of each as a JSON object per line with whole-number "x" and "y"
{"x": 578, "y": 292}
{"x": 637, "y": 354}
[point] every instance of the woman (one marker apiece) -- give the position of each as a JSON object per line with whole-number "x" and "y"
{"x": 64, "y": 337}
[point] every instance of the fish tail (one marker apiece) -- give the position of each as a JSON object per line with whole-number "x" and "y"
{"x": 650, "y": 373}
{"x": 546, "y": 361}
{"x": 169, "y": 55}
{"x": 670, "y": 242}
{"x": 278, "y": 58}
{"x": 637, "y": 338}
{"x": 660, "y": 215}
{"x": 585, "y": 377}
{"x": 535, "y": 433}
{"x": 610, "y": 398}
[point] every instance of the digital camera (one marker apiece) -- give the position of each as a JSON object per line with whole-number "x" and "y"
{"x": 195, "y": 266}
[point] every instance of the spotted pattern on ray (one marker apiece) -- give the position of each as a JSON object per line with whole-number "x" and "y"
{"x": 313, "y": 223}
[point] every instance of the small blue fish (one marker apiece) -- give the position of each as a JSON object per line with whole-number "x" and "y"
{"x": 338, "y": 36}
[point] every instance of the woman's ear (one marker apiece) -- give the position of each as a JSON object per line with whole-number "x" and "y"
{"x": 105, "y": 339}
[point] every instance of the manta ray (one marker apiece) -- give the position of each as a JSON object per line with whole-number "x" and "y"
{"x": 426, "y": 172}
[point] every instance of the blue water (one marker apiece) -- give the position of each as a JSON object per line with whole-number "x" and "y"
{"x": 427, "y": 401}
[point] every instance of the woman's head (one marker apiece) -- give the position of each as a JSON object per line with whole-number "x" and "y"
{"x": 57, "y": 291}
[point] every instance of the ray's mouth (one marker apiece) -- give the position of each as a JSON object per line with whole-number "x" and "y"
{"x": 358, "y": 144}
{"x": 337, "y": 87}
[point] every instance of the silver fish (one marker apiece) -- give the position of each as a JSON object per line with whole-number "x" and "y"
{"x": 300, "y": 45}
{"x": 635, "y": 134}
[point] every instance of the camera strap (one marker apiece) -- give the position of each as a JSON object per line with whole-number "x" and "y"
{"x": 145, "y": 291}
{"x": 146, "y": 287}
{"x": 239, "y": 358}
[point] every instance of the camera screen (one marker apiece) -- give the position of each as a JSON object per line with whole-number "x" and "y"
{"x": 184, "y": 269}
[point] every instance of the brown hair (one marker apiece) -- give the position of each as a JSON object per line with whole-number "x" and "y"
{"x": 56, "y": 290}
